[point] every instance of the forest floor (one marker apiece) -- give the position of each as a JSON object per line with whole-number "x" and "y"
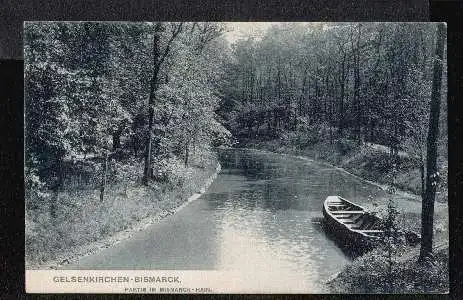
{"x": 86, "y": 225}
{"x": 370, "y": 273}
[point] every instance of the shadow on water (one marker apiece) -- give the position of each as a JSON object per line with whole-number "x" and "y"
{"x": 348, "y": 248}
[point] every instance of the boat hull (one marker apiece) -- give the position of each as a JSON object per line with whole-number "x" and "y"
{"x": 354, "y": 228}
{"x": 351, "y": 241}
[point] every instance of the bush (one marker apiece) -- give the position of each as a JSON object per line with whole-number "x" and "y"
{"x": 168, "y": 170}
{"x": 346, "y": 146}
{"x": 80, "y": 218}
{"x": 127, "y": 171}
{"x": 296, "y": 139}
{"x": 306, "y": 135}
{"x": 370, "y": 274}
{"x": 35, "y": 189}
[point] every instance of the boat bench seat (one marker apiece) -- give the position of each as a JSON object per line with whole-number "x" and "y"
{"x": 349, "y": 221}
{"x": 348, "y": 212}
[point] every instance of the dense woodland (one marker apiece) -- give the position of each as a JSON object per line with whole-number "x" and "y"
{"x": 143, "y": 102}
{"x": 111, "y": 105}
{"x": 98, "y": 89}
{"x": 368, "y": 82}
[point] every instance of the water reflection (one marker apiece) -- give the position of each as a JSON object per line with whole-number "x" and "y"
{"x": 270, "y": 215}
{"x": 261, "y": 216}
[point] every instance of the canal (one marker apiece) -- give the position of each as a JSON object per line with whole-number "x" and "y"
{"x": 261, "y": 216}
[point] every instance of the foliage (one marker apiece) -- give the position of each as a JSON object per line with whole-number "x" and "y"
{"x": 174, "y": 90}
{"x": 82, "y": 219}
{"x": 369, "y": 274}
{"x": 393, "y": 266}
{"x": 87, "y": 85}
{"x": 86, "y": 91}
{"x": 369, "y": 81}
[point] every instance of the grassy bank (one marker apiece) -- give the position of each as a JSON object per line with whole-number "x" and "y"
{"x": 81, "y": 222}
{"x": 375, "y": 273}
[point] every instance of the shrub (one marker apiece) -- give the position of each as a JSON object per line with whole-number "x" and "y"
{"x": 370, "y": 273}
{"x": 346, "y": 146}
{"x": 35, "y": 189}
{"x": 80, "y": 218}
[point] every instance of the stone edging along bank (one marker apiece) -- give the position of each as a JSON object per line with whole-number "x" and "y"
{"x": 127, "y": 233}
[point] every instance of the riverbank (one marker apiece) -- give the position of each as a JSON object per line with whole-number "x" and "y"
{"x": 371, "y": 163}
{"x": 370, "y": 273}
{"x": 374, "y": 273}
{"x": 89, "y": 228}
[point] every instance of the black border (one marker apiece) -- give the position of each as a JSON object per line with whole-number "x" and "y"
{"x": 452, "y": 12}
{"x": 11, "y": 177}
{"x": 11, "y": 101}
{"x": 18, "y": 11}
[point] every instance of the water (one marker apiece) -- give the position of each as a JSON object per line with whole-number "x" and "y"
{"x": 261, "y": 216}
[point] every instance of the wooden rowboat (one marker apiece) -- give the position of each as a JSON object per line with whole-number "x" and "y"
{"x": 352, "y": 225}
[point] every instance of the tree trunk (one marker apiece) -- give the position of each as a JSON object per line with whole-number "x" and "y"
{"x": 279, "y": 81}
{"x": 357, "y": 83}
{"x": 149, "y": 143}
{"x": 341, "y": 111}
{"x": 117, "y": 137}
{"x": 187, "y": 153}
{"x": 325, "y": 100}
{"x": 153, "y": 88}
{"x": 427, "y": 213}
{"x": 269, "y": 125}
{"x": 116, "y": 140}
{"x": 423, "y": 180}
{"x": 57, "y": 184}
{"x": 341, "y": 100}
{"x": 54, "y": 202}
{"x": 103, "y": 177}
{"x": 158, "y": 59}
{"x": 135, "y": 147}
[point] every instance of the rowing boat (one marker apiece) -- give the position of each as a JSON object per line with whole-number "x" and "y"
{"x": 351, "y": 224}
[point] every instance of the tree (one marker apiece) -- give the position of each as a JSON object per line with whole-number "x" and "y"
{"x": 158, "y": 59}
{"x": 432, "y": 176}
